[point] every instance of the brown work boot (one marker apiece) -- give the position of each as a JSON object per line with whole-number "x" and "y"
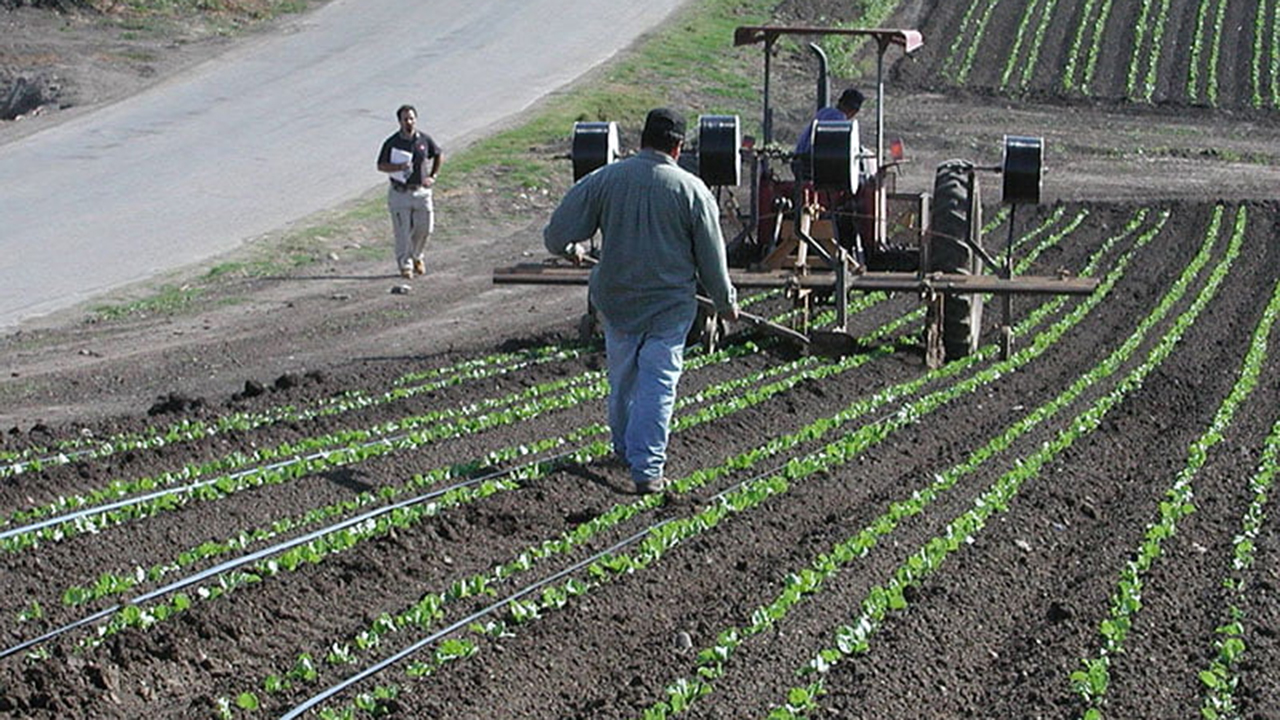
{"x": 651, "y": 487}
{"x": 419, "y": 267}
{"x": 406, "y": 273}
{"x": 613, "y": 461}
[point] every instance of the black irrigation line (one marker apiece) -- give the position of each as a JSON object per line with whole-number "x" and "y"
{"x": 518, "y": 361}
{"x": 242, "y": 560}
{"x": 11, "y": 466}
{"x": 71, "y": 517}
{"x": 492, "y": 608}
{"x": 459, "y": 624}
{"x": 551, "y": 461}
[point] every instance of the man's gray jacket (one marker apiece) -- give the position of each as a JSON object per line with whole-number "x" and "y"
{"x": 660, "y": 236}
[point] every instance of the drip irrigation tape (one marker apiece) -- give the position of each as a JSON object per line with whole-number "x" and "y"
{"x": 415, "y": 647}
{"x": 269, "y": 551}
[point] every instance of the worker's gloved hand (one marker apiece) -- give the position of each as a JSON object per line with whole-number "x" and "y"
{"x": 577, "y": 252}
{"x": 731, "y": 314}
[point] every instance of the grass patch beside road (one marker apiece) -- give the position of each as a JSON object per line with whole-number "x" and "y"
{"x": 690, "y": 63}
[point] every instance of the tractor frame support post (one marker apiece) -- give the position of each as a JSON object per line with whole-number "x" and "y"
{"x": 842, "y": 290}
{"x": 934, "y": 350}
{"x": 882, "y": 44}
{"x": 767, "y": 120}
{"x": 1006, "y": 300}
{"x": 881, "y": 220}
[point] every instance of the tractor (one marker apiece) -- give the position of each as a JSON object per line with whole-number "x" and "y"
{"x": 823, "y": 224}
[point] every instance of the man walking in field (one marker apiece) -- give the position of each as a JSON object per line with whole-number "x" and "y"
{"x": 411, "y": 159}
{"x": 660, "y": 238}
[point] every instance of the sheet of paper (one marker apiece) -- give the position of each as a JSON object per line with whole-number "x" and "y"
{"x": 402, "y": 156}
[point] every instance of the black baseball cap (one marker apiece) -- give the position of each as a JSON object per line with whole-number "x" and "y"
{"x": 664, "y": 121}
{"x": 851, "y": 99}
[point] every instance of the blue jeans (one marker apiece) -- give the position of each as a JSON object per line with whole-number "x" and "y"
{"x": 644, "y": 369}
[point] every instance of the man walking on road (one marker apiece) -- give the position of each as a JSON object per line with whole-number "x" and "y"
{"x": 660, "y": 238}
{"x": 404, "y": 156}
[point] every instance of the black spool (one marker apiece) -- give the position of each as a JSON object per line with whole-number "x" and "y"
{"x": 835, "y": 154}
{"x": 719, "y": 141}
{"x": 1023, "y": 162}
{"x": 595, "y": 144}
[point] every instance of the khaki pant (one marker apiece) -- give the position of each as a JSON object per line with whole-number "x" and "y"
{"x": 412, "y": 219}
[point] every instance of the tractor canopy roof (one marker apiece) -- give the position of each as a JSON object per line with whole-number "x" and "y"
{"x": 909, "y": 40}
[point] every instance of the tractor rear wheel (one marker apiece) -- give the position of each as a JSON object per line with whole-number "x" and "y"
{"x": 955, "y": 218}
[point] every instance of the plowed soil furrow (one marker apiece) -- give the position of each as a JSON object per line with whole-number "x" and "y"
{"x": 954, "y": 503}
{"x": 365, "y": 597}
{"x": 872, "y": 473}
{"x": 1129, "y": 50}
{"x": 1184, "y": 602}
{"x": 1037, "y": 551}
{"x": 1159, "y": 115}
{"x": 1259, "y": 696}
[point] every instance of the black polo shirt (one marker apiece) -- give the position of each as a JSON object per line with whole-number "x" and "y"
{"x": 422, "y": 147}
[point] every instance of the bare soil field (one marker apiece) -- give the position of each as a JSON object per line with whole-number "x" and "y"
{"x": 309, "y": 494}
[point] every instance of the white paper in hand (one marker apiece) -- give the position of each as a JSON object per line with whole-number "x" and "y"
{"x": 402, "y": 156}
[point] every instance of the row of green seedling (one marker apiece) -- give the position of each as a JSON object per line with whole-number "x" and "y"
{"x": 1153, "y": 18}
{"x": 1205, "y": 51}
{"x": 1092, "y": 682}
{"x": 1086, "y": 44}
{"x": 801, "y": 584}
{"x": 1271, "y": 54}
{"x": 814, "y": 462}
{"x": 1222, "y": 677}
{"x": 1046, "y": 9}
{"x": 843, "y": 49}
{"x": 854, "y": 638}
{"x": 187, "y": 430}
{"x": 621, "y": 512}
{"x": 1260, "y": 55}
{"x": 964, "y": 48}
